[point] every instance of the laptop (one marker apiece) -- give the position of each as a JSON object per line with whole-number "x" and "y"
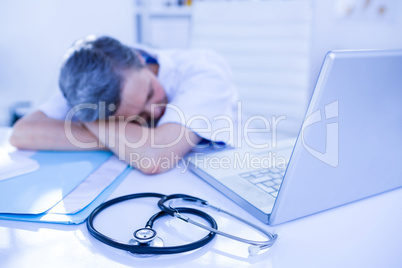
{"x": 348, "y": 148}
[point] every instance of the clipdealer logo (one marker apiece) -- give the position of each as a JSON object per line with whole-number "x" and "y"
{"x": 107, "y": 134}
{"x": 331, "y": 154}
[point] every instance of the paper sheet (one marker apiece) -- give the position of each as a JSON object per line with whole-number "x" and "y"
{"x": 75, "y": 218}
{"x": 91, "y": 187}
{"x": 59, "y": 174}
{"x": 15, "y": 164}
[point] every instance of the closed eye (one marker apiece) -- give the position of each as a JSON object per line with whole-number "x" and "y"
{"x": 150, "y": 93}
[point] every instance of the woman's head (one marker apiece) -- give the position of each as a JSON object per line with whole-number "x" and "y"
{"x": 94, "y": 72}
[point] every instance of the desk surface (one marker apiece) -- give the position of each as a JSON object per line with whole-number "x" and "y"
{"x": 362, "y": 234}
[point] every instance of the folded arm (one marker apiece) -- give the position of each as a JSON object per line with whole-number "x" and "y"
{"x": 36, "y": 131}
{"x": 151, "y": 150}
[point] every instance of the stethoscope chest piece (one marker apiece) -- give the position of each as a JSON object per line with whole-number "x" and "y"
{"x": 146, "y": 237}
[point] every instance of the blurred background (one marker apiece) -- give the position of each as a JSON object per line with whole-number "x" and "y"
{"x": 275, "y": 47}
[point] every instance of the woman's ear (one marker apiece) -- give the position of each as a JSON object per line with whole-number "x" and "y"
{"x": 140, "y": 57}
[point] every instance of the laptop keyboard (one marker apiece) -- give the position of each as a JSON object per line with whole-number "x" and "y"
{"x": 268, "y": 180}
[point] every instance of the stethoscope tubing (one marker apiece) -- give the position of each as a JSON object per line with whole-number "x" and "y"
{"x": 148, "y": 249}
{"x": 172, "y": 211}
{"x": 139, "y": 249}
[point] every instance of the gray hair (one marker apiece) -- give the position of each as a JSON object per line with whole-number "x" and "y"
{"x": 92, "y": 73}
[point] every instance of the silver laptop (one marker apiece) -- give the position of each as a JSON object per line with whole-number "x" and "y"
{"x": 349, "y": 146}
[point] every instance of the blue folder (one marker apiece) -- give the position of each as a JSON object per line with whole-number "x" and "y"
{"x": 30, "y": 196}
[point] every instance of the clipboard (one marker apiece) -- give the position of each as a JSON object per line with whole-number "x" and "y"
{"x": 65, "y": 189}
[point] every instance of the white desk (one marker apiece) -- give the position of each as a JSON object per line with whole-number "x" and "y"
{"x": 367, "y": 233}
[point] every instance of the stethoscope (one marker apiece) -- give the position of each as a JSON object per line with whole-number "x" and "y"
{"x": 145, "y": 240}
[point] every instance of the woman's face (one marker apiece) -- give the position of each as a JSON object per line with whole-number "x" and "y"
{"x": 142, "y": 96}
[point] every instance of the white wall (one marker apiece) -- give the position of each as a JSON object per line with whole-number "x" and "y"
{"x": 337, "y": 24}
{"x": 354, "y": 24}
{"x": 35, "y": 34}
{"x": 267, "y": 44}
